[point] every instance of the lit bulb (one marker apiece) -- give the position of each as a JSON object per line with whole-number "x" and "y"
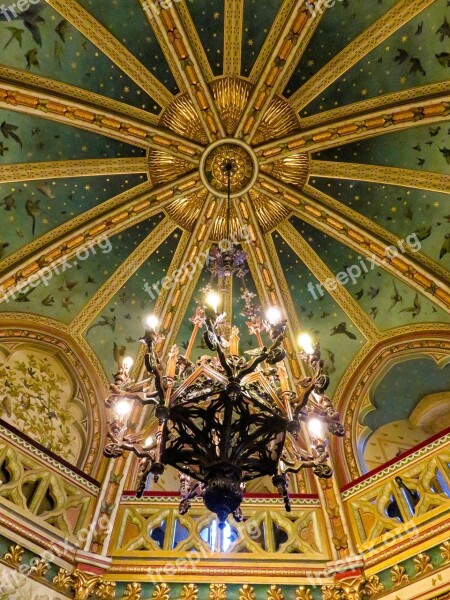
{"x": 152, "y": 322}
{"x": 273, "y": 315}
{"x": 305, "y": 342}
{"x": 127, "y": 363}
{"x": 123, "y": 408}
{"x": 315, "y": 428}
{"x": 148, "y": 442}
{"x": 213, "y": 300}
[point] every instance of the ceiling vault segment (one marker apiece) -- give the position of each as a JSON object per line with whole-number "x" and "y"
{"x": 400, "y": 14}
{"x": 281, "y": 57}
{"x": 422, "y": 180}
{"x": 77, "y": 114}
{"x": 389, "y": 119}
{"x": 121, "y": 275}
{"x": 72, "y": 168}
{"x": 194, "y": 39}
{"x": 358, "y": 233}
{"x": 232, "y": 46}
{"x": 175, "y": 35}
{"x": 86, "y": 24}
{"x": 110, "y": 217}
{"x": 319, "y": 269}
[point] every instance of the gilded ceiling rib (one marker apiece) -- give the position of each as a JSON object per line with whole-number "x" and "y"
{"x": 271, "y": 39}
{"x": 421, "y": 180}
{"x": 360, "y": 234}
{"x": 86, "y": 24}
{"x": 284, "y": 52}
{"x": 385, "y": 102}
{"x": 26, "y": 81}
{"x": 76, "y": 114}
{"x": 110, "y": 217}
{"x": 194, "y": 39}
{"x": 167, "y": 51}
{"x": 358, "y": 127}
{"x": 121, "y": 275}
{"x": 320, "y": 270}
{"x": 176, "y": 36}
{"x": 232, "y": 37}
{"x": 400, "y": 14}
{"x": 72, "y": 168}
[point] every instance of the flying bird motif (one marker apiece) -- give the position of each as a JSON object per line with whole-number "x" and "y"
{"x": 415, "y": 309}
{"x": 342, "y": 328}
{"x": 396, "y": 298}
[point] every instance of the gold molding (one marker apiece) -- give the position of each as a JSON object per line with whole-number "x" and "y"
{"x": 421, "y": 180}
{"x": 232, "y": 37}
{"x": 400, "y": 14}
{"x": 356, "y": 232}
{"x": 319, "y": 269}
{"x": 87, "y": 25}
{"x": 72, "y": 168}
{"x": 66, "y": 110}
{"x": 196, "y": 43}
{"x": 109, "y": 218}
{"x": 121, "y": 275}
{"x": 413, "y": 113}
{"x": 175, "y": 35}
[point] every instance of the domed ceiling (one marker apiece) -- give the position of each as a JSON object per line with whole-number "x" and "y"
{"x": 117, "y": 117}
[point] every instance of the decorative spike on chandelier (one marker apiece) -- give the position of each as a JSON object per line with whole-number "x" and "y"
{"x": 225, "y": 419}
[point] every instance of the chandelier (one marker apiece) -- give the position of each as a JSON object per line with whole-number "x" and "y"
{"x": 225, "y": 419}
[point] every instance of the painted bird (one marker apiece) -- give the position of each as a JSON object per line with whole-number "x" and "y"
{"x": 415, "y": 309}
{"x": 9, "y": 202}
{"x": 33, "y": 210}
{"x": 62, "y": 29}
{"x": 423, "y": 232}
{"x": 342, "y": 328}
{"x": 32, "y": 59}
{"x": 3, "y": 245}
{"x": 374, "y": 312}
{"x": 119, "y": 353}
{"x": 395, "y": 297}
{"x": 105, "y": 321}
{"x": 16, "y": 34}
{"x": 48, "y": 300}
{"x": 445, "y": 249}
{"x": 46, "y": 190}
{"x": 23, "y": 296}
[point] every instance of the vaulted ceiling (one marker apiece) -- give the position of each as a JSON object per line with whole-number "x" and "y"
{"x": 113, "y": 116}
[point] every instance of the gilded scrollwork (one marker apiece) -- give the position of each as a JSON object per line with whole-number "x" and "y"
{"x": 217, "y": 591}
{"x": 14, "y": 556}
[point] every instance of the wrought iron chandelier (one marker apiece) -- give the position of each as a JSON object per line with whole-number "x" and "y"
{"x": 225, "y": 419}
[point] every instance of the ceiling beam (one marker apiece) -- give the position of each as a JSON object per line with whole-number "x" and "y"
{"x": 176, "y": 37}
{"x": 194, "y": 39}
{"x": 413, "y": 113}
{"x": 319, "y": 269}
{"x": 121, "y": 275}
{"x": 284, "y": 52}
{"x": 421, "y": 180}
{"x": 359, "y": 233}
{"x": 69, "y": 111}
{"x": 400, "y": 14}
{"x": 87, "y": 25}
{"x": 232, "y": 37}
{"x": 72, "y": 168}
{"x": 84, "y": 231}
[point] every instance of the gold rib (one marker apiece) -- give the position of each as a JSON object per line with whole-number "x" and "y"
{"x": 359, "y": 126}
{"x": 195, "y": 41}
{"x": 360, "y": 234}
{"x": 283, "y": 53}
{"x": 110, "y": 217}
{"x": 86, "y": 24}
{"x": 72, "y": 168}
{"x": 121, "y": 275}
{"x": 271, "y": 39}
{"x": 76, "y": 114}
{"x": 175, "y": 35}
{"x": 320, "y": 270}
{"x": 400, "y": 14}
{"x": 232, "y": 45}
{"x": 388, "y": 101}
{"x": 268, "y": 284}
{"x": 421, "y": 180}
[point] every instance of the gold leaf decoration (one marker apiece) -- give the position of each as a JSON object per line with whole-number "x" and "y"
{"x": 303, "y": 593}
{"x": 63, "y": 580}
{"x": 399, "y": 575}
{"x": 247, "y": 593}
{"x": 445, "y": 551}
{"x": 161, "y": 592}
{"x": 275, "y": 593}
{"x": 189, "y": 592}
{"x": 132, "y": 592}
{"x": 40, "y": 569}
{"x": 373, "y": 586}
{"x": 422, "y": 564}
{"x": 331, "y": 592}
{"x": 14, "y": 556}
{"x": 217, "y": 591}
{"x": 106, "y": 590}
